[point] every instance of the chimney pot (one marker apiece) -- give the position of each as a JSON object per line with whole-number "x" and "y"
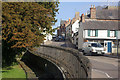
{"x": 91, "y": 6}
{"x": 83, "y": 18}
{"x": 69, "y": 19}
{"x": 77, "y": 15}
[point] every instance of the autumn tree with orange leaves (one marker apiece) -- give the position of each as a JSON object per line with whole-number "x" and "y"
{"x": 23, "y": 24}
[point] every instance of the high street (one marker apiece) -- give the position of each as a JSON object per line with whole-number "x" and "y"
{"x": 102, "y": 66}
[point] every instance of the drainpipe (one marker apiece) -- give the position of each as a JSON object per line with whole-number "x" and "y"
{"x": 117, "y": 44}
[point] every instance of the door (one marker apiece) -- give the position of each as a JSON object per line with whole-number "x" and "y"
{"x": 109, "y": 47}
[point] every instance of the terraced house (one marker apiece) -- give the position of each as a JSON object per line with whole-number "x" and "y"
{"x": 61, "y": 31}
{"x": 101, "y": 25}
{"x": 73, "y": 27}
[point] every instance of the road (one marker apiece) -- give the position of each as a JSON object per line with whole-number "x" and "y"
{"x": 102, "y": 66}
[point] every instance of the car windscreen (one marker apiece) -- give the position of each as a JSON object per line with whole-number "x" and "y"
{"x": 96, "y": 45}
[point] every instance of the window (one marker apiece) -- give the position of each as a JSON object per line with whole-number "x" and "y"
{"x": 93, "y": 33}
{"x": 96, "y": 45}
{"x": 112, "y": 33}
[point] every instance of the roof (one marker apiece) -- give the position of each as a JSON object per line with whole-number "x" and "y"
{"x": 102, "y": 13}
{"x": 101, "y": 25}
{"x": 73, "y": 20}
{"x": 87, "y": 16}
{"x": 62, "y": 22}
{"x": 107, "y": 14}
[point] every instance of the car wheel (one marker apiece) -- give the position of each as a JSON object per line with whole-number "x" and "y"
{"x": 90, "y": 53}
{"x": 102, "y": 54}
{"x": 83, "y": 52}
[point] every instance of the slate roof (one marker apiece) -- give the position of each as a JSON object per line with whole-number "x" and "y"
{"x": 73, "y": 20}
{"x": 62, "y": 22}
{"x": 101, "y": 25}
{"x": 87, "y": 16}
{"x": 107, "y": 14}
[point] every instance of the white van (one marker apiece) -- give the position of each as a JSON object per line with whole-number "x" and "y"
{"x": 92, "y": 48}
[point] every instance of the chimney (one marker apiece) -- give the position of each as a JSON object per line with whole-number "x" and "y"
{"x": 77, "y": 15}
{"x": 83, "y": 18}
{"x": 66, "y": 21}
{"x": 69, "y": 20}
{"x": 93, "y": 12}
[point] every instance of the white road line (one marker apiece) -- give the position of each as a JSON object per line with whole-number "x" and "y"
{"x": 102, "y": 72}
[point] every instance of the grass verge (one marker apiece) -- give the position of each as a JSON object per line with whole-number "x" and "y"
{"x": 13, "y": 72}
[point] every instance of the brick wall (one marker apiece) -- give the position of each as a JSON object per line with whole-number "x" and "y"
{"x": 92, "y": 12}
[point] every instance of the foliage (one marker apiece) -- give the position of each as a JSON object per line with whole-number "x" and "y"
{"x": 23, "y": 24}
{"x": 53, "y": 8}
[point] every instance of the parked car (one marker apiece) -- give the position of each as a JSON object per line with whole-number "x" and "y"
{"x": 91, "y": 48}
{"x": 60, "y": 38}
{"x": 56, "y": 39}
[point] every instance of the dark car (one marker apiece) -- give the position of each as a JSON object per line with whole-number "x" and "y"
{"x": 56, "y": 39}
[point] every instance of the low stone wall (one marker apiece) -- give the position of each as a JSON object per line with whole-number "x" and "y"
{"x": 41, "y": 67}
{"x": 114, "y": 50}
{"x": 72, "y": 63}
{"x": 29, "y": 73}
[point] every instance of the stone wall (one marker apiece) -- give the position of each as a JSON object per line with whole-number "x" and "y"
{"x": 114, "y": 50}
{"x": 70, "y": 62}
{"x": 41, "y": 67}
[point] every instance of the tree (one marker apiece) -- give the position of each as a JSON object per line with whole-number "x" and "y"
{"x": 23, "y": 24}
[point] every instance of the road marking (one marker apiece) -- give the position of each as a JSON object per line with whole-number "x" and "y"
{"x": 102, "y": 72}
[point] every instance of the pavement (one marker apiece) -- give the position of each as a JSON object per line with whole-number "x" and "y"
{"x": 48, "y": 42}
{"x": 112, "y": 55}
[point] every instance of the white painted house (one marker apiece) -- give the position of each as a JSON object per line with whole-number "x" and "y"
{"x": 98, "y": 31}
{"x": 73, "y": 27}
{"x": 99, "y": 26}
{"x": 48, "y": 37}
